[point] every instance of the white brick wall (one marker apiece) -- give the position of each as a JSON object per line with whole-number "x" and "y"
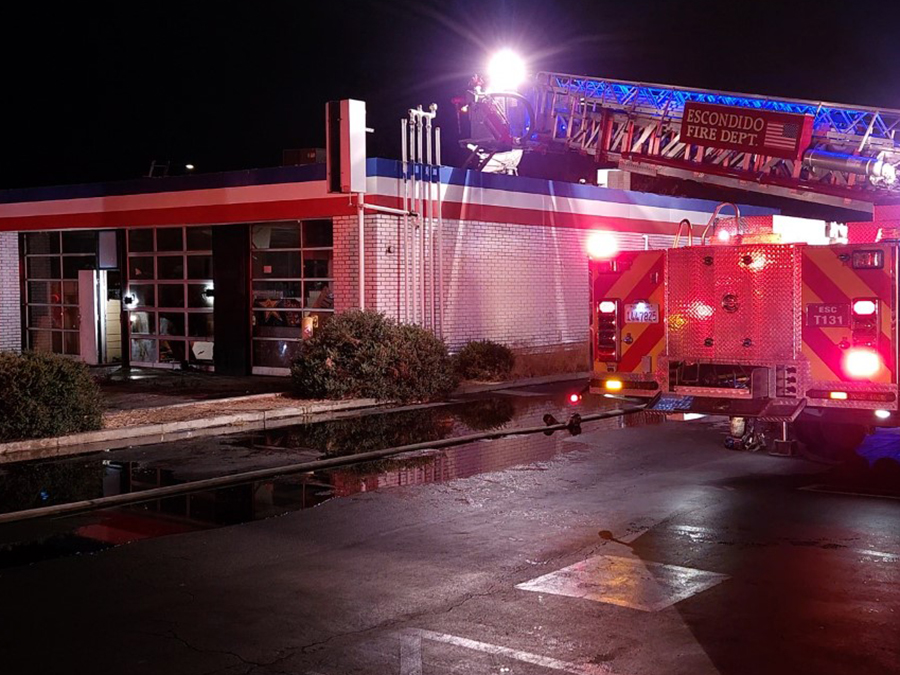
{"x": 10, "y": 294}
{"x": 523, "y": 286}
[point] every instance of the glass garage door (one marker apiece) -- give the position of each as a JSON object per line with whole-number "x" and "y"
{"x": 52, "y": 263}
{"x": 169, "y": 296}
{"x": 292, "y": 289}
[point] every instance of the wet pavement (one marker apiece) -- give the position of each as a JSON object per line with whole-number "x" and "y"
{"x": 46, "y": 483}
{"x": 631, "y": 548}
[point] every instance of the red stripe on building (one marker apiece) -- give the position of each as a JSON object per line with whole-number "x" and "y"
{"x": 192, "y": 215}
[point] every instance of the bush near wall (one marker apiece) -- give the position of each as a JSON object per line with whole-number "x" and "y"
{"x": 484, "y": 360}
{"x": 367, "y": 355}
{"x": 46, "y": 395}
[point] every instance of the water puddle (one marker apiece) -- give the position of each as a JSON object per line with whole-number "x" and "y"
{"x": 44, "y": 483}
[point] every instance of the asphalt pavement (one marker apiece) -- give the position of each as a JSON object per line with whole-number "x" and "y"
{"x": 626, "y": 550}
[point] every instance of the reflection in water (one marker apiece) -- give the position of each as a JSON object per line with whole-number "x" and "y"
{"x": 127, "y": 471}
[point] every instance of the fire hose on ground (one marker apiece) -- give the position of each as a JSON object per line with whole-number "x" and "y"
{"x": 128, "y": 499}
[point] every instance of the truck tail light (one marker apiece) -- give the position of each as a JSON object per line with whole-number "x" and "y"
{"x": 864, "y": 307}
{"x": 608, "y": 330}
{"x": 861, "y": 363}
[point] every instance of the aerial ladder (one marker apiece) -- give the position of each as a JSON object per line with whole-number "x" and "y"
{"x": 841, "y": 155}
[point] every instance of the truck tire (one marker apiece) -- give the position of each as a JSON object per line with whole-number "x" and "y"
{"x": 832, "y": 441}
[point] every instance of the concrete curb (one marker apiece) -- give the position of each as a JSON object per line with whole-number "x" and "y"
{"x": 478, "y": 387}
{"x": 112, "y": 439}
{"x": 147, "y": 434}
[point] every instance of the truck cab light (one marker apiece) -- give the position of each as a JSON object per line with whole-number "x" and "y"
{"x": 864, "y": 307}
{"x": 882, "y": 414}
{"x": 838, "y": 395}
{"x": 614, "y": 385}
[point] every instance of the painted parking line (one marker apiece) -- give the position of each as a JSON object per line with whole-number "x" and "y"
{"x": 411, "y": 654}
{"x": 821, "y": 487}
{"x": 626, "y": 582}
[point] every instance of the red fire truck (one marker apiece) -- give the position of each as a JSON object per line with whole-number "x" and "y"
{"x": 791, "y": 341}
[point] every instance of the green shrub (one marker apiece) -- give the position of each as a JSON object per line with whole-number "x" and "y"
{"x": 366, "y": 355}
{"x": 46, "y": 395}
{"x": 484, "y": 360}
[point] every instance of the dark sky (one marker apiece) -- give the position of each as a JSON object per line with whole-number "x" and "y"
{"x": 95, "y": 93}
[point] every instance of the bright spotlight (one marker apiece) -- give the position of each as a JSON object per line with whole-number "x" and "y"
{"x": 505, "y": 71}
{"x": 601, "y": 245}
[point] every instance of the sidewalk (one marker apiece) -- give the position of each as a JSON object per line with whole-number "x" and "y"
{"x": 156, "y": 407}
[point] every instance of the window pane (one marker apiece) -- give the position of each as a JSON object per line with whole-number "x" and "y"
{"x": 43, "y": 267}
{"x": 142, "y": 294}
{"x": 171, "y": 351}
{"x": 171, "y": 323}
{"x": 45, "y": 317}
{"x": 169, "y": 239}
{"x": 171, "y": 295}
{"x": 274, "y": 290}
{"x": 319, "y": 295}
{"x": 200, "y": 325}
{"x": 72, "y": 265}
{"x": 70, "y": 292}
{"x": 201, "y": 352}
{"x": 42, "y": 242}
{"x": 197, "y": 296}
{"x": 170, "y": 267}
{"x": 317, "y": 233}
{"x": 42, "y": 341}
{"x": 276, "y": 236}
{"x": 143, "y": 350}
{"x": 200, "y": 267}
{"x": 140, "y": 240}
{"x": 278, "y": 265}
{"x": 277, "y": 323}
{"x": 274, "y": 353}
{"x": 71, "y": 318}
{"x": 71, "y": 343}
{"x": 317, "y": 264}
{"x": 199, "y": 239}
{"x": 142, "y": 323}
{"x": 44, "y": 292}
{"x": 140, "y": 268}
{"x": 79, "y": 242}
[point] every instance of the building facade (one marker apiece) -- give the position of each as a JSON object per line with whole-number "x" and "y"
{"x": 230, "y": 272}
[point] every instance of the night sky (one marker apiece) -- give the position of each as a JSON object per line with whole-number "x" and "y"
{"x": 96, "y": 93}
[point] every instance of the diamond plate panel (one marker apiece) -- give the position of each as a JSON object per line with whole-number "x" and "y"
{"x": 734, "y": 304}
{"x": 690, "y": 302}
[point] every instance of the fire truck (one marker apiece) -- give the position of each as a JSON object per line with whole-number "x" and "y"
{"x": 793, "y": 341}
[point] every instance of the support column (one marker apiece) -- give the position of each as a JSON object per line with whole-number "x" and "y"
{"x": 10, "y": 293}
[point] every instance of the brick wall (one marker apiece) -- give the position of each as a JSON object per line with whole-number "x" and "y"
{"x": 10, "y": 293}
{"x": 523, "y": 286}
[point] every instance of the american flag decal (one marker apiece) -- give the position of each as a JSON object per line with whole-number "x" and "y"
{"x": 782, "y": 135}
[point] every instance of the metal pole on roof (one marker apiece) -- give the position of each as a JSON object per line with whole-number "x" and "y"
{"x": 429, "y": 158}
{"x": 440, "y": 232}
{"x": 413, "y": 264}
{"x": 403, "y": 244}
{"x": 361, "y": 219}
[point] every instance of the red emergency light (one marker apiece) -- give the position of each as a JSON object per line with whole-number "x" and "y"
{"x": 861, "y": 363}
{"x": 601, "y": 245}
